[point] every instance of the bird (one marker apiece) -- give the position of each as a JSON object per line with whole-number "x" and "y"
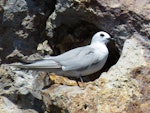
{"x": 78, "y": 62}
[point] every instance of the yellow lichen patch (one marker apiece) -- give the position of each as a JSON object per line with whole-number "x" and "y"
{"x": 63, "y": 80}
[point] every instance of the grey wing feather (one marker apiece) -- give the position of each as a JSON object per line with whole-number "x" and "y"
{"x": 83, "y": 60}
{"x": 51, "y": 62}
{"x": 47, "y": 64}
{"x": 67, "y": 55}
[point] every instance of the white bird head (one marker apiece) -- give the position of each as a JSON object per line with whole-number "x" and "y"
{"x": 101, "y": 37}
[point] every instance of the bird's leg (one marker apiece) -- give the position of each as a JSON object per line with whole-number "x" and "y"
{"x": 81, "y": 79}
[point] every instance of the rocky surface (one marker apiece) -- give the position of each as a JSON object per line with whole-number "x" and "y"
{"x": 23, "y": 25}
{"x": 7, "y": 106}
{"x": 30, "y": 29}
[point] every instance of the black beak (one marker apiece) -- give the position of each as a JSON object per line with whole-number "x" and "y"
{"x": 111, "y": 39}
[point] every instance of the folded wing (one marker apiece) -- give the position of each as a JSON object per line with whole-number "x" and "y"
{"x": 67, "y": 55}
{"x": 86, "y": 58}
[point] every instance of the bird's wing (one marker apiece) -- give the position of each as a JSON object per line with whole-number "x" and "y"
{"x": 67, "y": 55}
{"x": 84, "y": 59}
{"x": 50, "y": 62}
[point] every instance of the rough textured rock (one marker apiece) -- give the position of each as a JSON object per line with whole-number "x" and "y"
{"x": 22, "y": 28}
{"x": 82, "y": 18}
{"x": 121, "y": 86}
{"x": 7, "y": 106}
{"x": 23, "y": 25}
{"x": 23, "y": 88}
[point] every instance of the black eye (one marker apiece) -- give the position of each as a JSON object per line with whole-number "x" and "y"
{"x": 102, "y": 35}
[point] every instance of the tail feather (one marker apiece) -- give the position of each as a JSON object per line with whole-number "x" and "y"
{"x": 43, "y": 64}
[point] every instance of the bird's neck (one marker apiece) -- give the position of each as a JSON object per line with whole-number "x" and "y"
{"x": 99, "y": 45}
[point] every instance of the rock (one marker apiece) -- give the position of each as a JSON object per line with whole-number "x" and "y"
{"x": 7, "y": 106}
{"x": 141, "y": 74}
{"x": 22, "y": 25}
{"x": 44, "y": 47}
{"x": 23, "y": 87}
{"x": 119, "y": 18}
{"x": 1, "y": 14}
{"x": 63, "y": 80}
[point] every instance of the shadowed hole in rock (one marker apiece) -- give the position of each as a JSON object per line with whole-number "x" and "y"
{"x": 26, "y": 102}
{"x": 55, "y": 109}
{"x": 85, "y": 106}
{"x": 6, "y": 87}
{"x": 66, "y": 38}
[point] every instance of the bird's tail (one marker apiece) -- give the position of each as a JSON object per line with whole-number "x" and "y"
{"x": 40, "y": 64}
